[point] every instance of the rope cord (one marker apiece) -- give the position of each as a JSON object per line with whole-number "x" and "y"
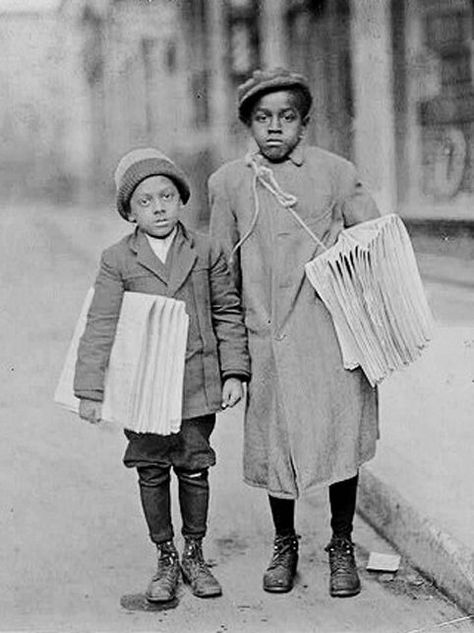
{"x": 264, "y": 175}
{"x": 252, "y": 224}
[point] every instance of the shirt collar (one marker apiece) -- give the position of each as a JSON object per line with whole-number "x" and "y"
{"x": 163, "y": 240}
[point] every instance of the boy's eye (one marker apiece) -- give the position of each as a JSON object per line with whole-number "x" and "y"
{"x": 289, "y": 116}
{"x": 169, "y": 195}
{"x": 261, "y": 117}
{"x": 144, "y": 202}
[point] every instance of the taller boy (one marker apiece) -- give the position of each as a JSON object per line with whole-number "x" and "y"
{"x": 309, "y": 422}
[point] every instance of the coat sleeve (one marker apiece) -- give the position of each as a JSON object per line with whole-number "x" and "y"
{"x": 355, "y": 202}
{"x": 223, "y": 224}
{"x": 96, "y": 342}
{"x": 227, "y": 319}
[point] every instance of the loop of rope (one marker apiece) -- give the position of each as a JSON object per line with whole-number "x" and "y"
{"x": 264, "y": 175}
{"x": 252, "y": 224}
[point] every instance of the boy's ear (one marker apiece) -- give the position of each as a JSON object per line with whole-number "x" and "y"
{"x": 305, "y": 120}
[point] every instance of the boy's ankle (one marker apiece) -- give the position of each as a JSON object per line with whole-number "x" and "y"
{"x": 192, "y": 545}
{"x": 167, "y": 547}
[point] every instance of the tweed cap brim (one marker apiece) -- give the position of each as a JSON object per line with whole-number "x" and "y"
{"x": 263, "y": 82}
{"x": 137, "y": 171}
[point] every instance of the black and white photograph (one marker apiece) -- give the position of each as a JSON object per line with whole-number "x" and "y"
{"x": 237, "y": 316}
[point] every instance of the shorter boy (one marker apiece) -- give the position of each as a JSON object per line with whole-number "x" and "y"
{"x": 163, "y": 257}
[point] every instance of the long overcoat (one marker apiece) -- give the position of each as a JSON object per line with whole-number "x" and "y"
{"x": 196, "y": 272}
{"x": 309, "y": 421}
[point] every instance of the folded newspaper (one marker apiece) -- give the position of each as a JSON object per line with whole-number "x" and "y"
{"x": 144, "y": 380}
{"x": 370, "y": 283}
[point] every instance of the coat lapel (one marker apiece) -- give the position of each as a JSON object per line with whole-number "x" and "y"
{"x": 181, "y": 259}
{"x": 147, "y": 258}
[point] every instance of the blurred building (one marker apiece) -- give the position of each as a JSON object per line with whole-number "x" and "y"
{"x": 85, "y": 80}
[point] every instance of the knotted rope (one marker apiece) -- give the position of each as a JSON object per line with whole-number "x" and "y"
{"x": 265, "y": 176}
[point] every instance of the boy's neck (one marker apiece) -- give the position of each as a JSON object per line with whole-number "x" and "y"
{"x": 163, "y": 238}
{"x": 296, "y": 155}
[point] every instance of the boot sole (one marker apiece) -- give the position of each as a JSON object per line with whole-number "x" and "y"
{"x": 156, "y": 600}
{"x": 277, "y": 589}
{"x": 281, "y": 588}
{"x": 349, "y": 593}
{"x": 213, "y": 594}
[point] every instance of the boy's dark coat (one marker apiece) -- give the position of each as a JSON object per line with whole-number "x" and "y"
{"x": 196, "y": 273}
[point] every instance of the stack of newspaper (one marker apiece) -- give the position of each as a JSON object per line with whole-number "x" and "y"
{"x": 144, "y": 381}
{"x": 370, "y": 283}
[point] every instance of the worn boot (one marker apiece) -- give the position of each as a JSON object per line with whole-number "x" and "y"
{"x": 344, "y": 580}
{"x": 165, "y": 581}
{"x": 280, "y": 573}
{"x": 196, "y": 572}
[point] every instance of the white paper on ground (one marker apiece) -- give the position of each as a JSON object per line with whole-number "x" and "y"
{"x": 383, "y": 562}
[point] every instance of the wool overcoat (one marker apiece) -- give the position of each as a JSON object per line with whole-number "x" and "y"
{"x": 309, "y": 421}
{"x": 195, "y": 272}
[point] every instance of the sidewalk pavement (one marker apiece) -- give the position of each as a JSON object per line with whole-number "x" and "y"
{"x": 417, "y": 491}
{"x": 73, "y": 536}
{"x": 449, "y": 270}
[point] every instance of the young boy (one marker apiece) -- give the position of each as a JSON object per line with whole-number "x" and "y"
{"x": 163, "y": 257}
{"x": 309, "y": 422}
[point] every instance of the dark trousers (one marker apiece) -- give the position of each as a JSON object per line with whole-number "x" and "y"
{"x": 193, "y": 487}
{"x": 342, "y": 500}
{"x": 190, "y": 455}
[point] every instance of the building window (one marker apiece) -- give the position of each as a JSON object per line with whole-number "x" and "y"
{"x": 93, "y": 53}
{"x": 196, "y": 19}
{"x": 170, "y": 57}
{"x": 319, "y": 46}
{"x": 446, "y": 116}
{"x": 243, "y": 38}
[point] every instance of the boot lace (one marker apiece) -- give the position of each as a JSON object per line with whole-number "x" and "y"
{"x": 167, "y": 562}
{"x": 194, "y": 559}
{"x": 284, "y": 548}
{"x": 341, "y": 555}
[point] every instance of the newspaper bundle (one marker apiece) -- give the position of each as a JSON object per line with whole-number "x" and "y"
{"x": 370, "y": 283}
{"x": 144, "y": 380}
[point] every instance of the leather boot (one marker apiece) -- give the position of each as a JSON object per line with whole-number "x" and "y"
{"x": 344, "y": 580}
{"x": 163, "y": 585}
{"x": 280, "y": 573}
{"x": 196, "y": 572}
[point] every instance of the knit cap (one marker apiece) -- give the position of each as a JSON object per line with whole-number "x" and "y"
{"x": 139, "y": 164}
{"x": 264, "y": 81}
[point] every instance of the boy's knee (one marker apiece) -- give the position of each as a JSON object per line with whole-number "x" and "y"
{"x": 192, "y": 476}
{"x": 152, "y": 476}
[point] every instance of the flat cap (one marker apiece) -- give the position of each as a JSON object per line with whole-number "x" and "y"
{"x": 264, "y": 81}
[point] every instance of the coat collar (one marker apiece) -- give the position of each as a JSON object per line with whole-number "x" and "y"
{"x": 146, "y": 257}
{"x": 181, "y": 258}
{"x": 297, "y": 156}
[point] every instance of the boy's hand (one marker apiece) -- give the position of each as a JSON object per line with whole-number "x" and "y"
{"x": 232, "y": 392}
{"x": 90, "y": 410}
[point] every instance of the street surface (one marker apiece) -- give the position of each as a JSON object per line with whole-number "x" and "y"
{"x": 73, "y": 540}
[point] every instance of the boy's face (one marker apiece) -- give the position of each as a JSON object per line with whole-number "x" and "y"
{"x": 155, "y": 205}
{"x": 276, "y": 124}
